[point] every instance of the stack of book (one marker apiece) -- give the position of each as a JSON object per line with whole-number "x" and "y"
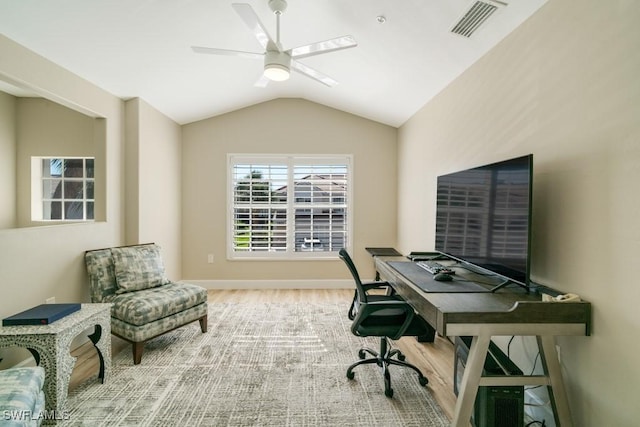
{"x": 43, "y": 314}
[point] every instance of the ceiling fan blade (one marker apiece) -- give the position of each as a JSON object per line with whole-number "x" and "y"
{"x": 215, "y": 51}
{"x": 262, "y": 81}
{"x": 248, "y": 15}
{"x": 314, "y": 74}
{"x": 339, "y": 43}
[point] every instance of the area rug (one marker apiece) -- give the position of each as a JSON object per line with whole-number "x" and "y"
{"x": 266, "y": 364}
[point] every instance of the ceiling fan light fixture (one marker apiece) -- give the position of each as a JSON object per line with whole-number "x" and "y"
{"x": 276, "y": 72}
{"x": 276, "y": 66}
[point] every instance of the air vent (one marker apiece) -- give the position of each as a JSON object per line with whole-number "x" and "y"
{"x": 479, "y": 12}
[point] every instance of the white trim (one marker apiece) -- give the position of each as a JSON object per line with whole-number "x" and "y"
{"x": 290, "y": 160}
{"x": 39, "y": 198}
{"x": 274, "y": 284}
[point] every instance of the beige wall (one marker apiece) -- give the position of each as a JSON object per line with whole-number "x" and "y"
{"x": 8, "y": 215}
{"x": 132, "y": 176}
{"x": 285, "y": 126}
{"x": 565, "y": 86}
{"x": 45, "y": 128}
{"x": 40, "y": 262}
{"x": 153, "y": 171}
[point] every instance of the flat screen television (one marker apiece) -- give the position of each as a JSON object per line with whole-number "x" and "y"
{"x": 483, "y": 218}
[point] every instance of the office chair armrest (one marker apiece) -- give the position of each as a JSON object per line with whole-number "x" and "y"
{"x": 367, "y": 287}
{"x": 371, "y": 307}
{"x": 375, "y": 285}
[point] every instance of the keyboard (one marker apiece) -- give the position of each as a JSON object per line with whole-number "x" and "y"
{"x": 432, "y": 267}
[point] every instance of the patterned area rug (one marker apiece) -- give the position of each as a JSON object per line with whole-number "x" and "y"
{"x": 258, "y": 365}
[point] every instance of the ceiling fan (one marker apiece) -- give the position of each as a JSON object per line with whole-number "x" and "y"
{"x": 279, "y": 62}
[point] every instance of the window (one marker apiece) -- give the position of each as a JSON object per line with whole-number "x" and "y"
{"x": 289, "y": 206}
{"x": 66, "y": 190}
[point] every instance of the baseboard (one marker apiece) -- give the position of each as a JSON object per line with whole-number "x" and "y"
{"x": 273, "y": 284}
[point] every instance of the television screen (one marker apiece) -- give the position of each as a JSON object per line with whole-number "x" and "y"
{"x": 483, "y": 217}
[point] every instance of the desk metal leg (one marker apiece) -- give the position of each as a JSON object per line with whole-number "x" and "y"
{"x": 471, "y": 380}
{"x": 557, "y": 392}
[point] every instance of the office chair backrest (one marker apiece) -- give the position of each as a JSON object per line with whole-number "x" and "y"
{"x": 361, "y": 295}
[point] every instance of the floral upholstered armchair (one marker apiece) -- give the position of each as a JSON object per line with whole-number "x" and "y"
{"x": 145, "y": 303}
{"x": 22, "y": 399}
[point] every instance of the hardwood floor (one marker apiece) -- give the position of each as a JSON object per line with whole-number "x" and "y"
{"x": 434, "y": 359}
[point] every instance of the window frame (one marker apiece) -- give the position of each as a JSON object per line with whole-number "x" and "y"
{"x": 38, "y": 198}
{"x": 290, "y": 161}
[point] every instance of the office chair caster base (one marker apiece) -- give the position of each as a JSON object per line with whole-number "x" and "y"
{"x": 384, "y": 358}
{"x": 388, "y": 391}
{"x": 362, "y": 353}
{"x": 397, "y": 353}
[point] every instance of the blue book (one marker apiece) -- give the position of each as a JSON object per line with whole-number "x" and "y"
{"x": 42, "y": 314}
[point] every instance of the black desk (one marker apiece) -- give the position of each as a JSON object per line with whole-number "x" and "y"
{"x": 483, "y": 315}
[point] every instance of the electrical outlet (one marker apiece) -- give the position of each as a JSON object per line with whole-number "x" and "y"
{"x": 51, "y": 300}
{"x": 210, "y": 259}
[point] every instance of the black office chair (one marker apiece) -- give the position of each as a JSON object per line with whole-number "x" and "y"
{"x": 385, "y": 316}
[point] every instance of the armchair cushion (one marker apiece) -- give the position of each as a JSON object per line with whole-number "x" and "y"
{"x": 149, "y": 305}
{"x": 138, "y": 268}
{"x": 102, "y": 277}
{"x": 21, "y": 393}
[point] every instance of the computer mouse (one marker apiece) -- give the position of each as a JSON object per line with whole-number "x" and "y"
{"x": 443, "y": 277}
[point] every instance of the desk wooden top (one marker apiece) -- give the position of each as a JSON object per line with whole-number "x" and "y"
{"x": 506, "y": 306}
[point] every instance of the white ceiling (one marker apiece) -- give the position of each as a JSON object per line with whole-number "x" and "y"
{"x": 141, "y": 48}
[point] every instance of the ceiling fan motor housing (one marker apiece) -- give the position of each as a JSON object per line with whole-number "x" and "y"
{"x": 278, "y": 6}
{"x": 276, "y": 65}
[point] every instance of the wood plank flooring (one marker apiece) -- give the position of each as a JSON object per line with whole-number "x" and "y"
{"x": 434, "y": 359}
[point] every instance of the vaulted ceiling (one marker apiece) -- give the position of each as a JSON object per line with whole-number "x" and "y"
{"x": 406, "y": 51}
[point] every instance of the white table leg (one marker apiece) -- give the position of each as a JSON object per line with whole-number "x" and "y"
{"x": 471, "y": 380}
{"x": 557, "y": 392}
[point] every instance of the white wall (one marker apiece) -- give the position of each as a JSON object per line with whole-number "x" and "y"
{"x": 564, "y": 86}
{"x": 284, "y": 126}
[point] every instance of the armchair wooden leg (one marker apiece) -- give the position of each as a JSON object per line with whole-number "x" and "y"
{"x": 137, "y": 347}
{"x": 203, "y": 323}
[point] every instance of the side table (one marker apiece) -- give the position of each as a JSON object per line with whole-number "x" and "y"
{"x": 50, "y": 347}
